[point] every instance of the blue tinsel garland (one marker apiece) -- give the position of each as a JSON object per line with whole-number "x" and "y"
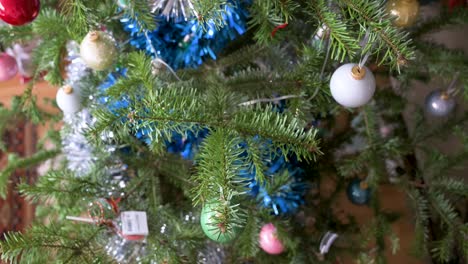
{"x": 185, "y": 145}
{"x": 187, "y": 44}
{"x": 287, "y": 198}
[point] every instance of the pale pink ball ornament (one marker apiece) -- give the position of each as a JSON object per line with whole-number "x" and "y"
{"x": 8, "y": 67}
{"x": 269, "y": 241}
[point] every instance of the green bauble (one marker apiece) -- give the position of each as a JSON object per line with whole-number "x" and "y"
{"x": 207, "y": 219}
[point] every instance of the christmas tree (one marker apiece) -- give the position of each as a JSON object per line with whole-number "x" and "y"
{"x": 198, "y": 131}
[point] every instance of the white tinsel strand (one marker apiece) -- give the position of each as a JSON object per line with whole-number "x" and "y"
{"x": 77, "y": 69}
{"x": 176, "y": 9}
{"x": 212, "y": 254}
{"x": 75, "y": 146}
{"x": 125, "y": 251}
{"x": 116, "y": 185}
{"x": 78, "y": 151}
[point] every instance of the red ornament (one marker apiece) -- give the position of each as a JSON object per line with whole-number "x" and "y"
{"x": 8, "y": 67}
{"x": 19, "y": 12}
{"x": 452, "y": 4}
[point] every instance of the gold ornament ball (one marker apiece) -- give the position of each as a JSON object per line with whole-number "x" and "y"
{"x": 98, "y": 50}
{"x": 404, "y": 12}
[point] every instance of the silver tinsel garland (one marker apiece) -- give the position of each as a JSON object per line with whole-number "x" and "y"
{"x": 176, "y": 9}
{"x": 212, "y": 254}
{"x": 75, "y": 146}
{"x": 76, "y": 69}
{"x": 79, "y": 153}
{"x": 125, "y": 251}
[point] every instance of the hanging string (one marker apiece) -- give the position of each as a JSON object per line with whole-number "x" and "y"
{"x": 364, "y": 42}
{"x": 169, "y": 68}
{"x": 327, "y": 241}
{"x": 363, "y": 61}
{"x": 327, "y": 57}
{"x": 153, "y": 50}
{"x": 324, "y": 65}
{"x": 100, "y": 217}
{"x": 266, "y": 100}
{"x": 282, "y": 26}
{"x": 452, "y": 89}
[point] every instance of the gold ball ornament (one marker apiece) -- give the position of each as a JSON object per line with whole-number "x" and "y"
{"x": 98, "y": 50}
{"x": 404, "y": 12}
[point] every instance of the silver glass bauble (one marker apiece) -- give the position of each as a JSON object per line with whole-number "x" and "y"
{"x": 439, "y": 103}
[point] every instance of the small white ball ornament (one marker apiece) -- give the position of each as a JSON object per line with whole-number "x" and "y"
{"x": 352, "y": 86}
{"x": 68, "y": 99}
{"x": 98, "y": 50}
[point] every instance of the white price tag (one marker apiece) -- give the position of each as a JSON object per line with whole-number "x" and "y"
{"x": 134, "y": 223}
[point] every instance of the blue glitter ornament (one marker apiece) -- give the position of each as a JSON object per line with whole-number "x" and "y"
{"x": 358, "y": 192}
{"x": 187, "y": 44}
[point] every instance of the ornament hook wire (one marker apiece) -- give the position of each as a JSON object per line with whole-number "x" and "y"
{"x": 153, "y": 50}
{"x": 327, "y": 241}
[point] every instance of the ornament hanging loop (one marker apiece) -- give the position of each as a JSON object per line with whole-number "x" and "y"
{"x": 364, "y": 185}
{"x": 452, "y": 89}
{"x": 327, "y": 241}
{"x": 158, "y": 60}
{"x": 93, "y": 36}
{"x": 363, "y": 61}
{"x": 99, "y": 217}
{"x": 68, "y": 89}
{"x": 358, "y": 72}
{"x": 363, "y": 44}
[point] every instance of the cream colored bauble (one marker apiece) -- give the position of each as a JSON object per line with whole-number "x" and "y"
{"x": 98, "y": 50}
{"x": 352, "y": 86}
{"x": 68, "y": 99}
{"x": 404, "y": 12}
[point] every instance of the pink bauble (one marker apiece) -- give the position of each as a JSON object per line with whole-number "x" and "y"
{"x": 269, "y": 241}
{"x": 8, "y": 67}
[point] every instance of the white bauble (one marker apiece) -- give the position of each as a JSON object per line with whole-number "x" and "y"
{"x": 68, "y": 99}
{"x": 352, "y": 86}
{"x": 98, "y": 50}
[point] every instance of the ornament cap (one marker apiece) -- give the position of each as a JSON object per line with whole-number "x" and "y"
{"x": 93, "y": 35}
{"x": 68, "y": 89}
{"x": 444, "y": 95}
{"x": 364, "y": 185}
{"x": 358, "y": 72}
{"x": 402, "y": 61}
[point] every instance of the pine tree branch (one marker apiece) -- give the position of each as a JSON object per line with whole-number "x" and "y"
{"x": 341, "y": 41}
{"x": 371, "y": 15}
{"x": 15, "y": 163}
